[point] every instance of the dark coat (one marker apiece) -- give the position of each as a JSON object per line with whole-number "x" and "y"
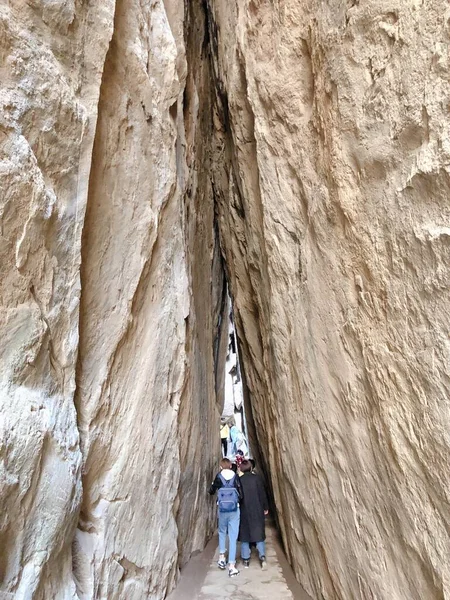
{"x": 252, "y": 526}
{"x": 217, "y": 484}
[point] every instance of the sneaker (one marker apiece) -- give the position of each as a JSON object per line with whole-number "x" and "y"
{"x": 246, "y": 562}
{"x": 232, "y": 571}
{"x": 262, "y": 560}
{"x": 221, "y": 563}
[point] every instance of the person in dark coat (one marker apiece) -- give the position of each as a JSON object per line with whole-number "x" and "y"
{"x": 254, "y": 509}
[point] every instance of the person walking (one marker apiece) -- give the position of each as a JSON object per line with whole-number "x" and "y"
{"x": 229, "y": 496}
{"x": 233, "y": 438}
{"x": 238, "y": 441}
{"x": 224, "y": 435}
{"x": 239, "y": 458}
{"x": 254, "y": 509}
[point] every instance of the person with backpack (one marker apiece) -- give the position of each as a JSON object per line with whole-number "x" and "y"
{"x": 229, "y": 496}
{"x": 254, "y": 509}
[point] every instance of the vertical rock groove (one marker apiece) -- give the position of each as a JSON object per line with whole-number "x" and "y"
{"x": 150, "y": 303}
{"x": 49, "y": 95}
{"x": 332, "y": 229}
{"x": 303, "y": 149}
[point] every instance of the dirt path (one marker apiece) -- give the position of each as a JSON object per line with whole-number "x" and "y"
{"x": 202, "y": 580}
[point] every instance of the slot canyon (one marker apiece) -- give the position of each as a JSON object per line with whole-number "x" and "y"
{"x": 155, "y": 154}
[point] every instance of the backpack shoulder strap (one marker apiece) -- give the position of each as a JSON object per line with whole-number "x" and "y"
{"x": 227, "y": 482}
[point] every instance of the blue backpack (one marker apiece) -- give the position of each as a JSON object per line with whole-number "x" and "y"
{"x": 227, "y": 496}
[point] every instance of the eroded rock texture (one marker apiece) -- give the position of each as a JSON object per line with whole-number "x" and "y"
{"x": 102, "y": 489}
{"x": 315, "y": 137}
{"x": 145, "y": 396}
{"x": 332, "y": 165}
{"x": 49, "y": 92}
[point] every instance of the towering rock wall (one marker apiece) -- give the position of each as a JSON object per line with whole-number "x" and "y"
{"x": 49, "y": 93}
{"x": 108, "y": 367}
{"x": 316, "y": 135}
{"x": 333, "y": 182}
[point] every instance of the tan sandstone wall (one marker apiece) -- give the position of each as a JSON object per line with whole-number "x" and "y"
{"x": 50, "y": 86}
{"x": 107, "y": 370}
{"x": 146, "y": 388}
{"x": 332, "y": 161}
{"x": 329, "y": 176}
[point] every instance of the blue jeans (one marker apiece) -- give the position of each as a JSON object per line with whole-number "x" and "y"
{"x": 229, "y": 524}
{"x": 245, "y": 549}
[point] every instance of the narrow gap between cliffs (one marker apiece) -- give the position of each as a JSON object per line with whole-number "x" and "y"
{"x": 207, "y": 122}
{"x": 233, "y": 416}
{"x": 238, "y": 433}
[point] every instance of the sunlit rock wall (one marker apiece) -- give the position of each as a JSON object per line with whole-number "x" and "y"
{"x": 49, "y": 93}
{"x": 149, "y": 310}
{"x": 111, "y": 291}
{"x": 332, "y": 172}
{"x": 328, "y": 174}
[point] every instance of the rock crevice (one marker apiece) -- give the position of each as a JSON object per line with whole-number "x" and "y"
{"x": 294, "y": 153}
{"x": 339, "y": 313}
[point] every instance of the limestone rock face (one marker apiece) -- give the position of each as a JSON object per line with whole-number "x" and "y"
{"x": 101, "y": 482}
{"x": 49, "y": 92}
{"x": 332, "y": 171}
{"x": 313, "y": 139}
{"x": 143, "y": 358}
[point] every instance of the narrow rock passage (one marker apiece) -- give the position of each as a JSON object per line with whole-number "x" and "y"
{"x": 202, "y": 580}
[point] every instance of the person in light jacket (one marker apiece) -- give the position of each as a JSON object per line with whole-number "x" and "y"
{"x": 229, "y": 520}
{"x": 224, "y": 435}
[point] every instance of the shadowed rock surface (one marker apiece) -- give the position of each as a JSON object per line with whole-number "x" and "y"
{"x": 149, "y": 151}
{"x": 334, "y": 222}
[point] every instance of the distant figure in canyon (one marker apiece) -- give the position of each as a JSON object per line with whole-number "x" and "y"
{"x": 238, "y": 441}
{"x": 234, "y": 432}
{"x": 229, "y": 497}
{"x": 239, "y": 458}
{"x": 254, "y": 509}
{"x": 224, "y": 435}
